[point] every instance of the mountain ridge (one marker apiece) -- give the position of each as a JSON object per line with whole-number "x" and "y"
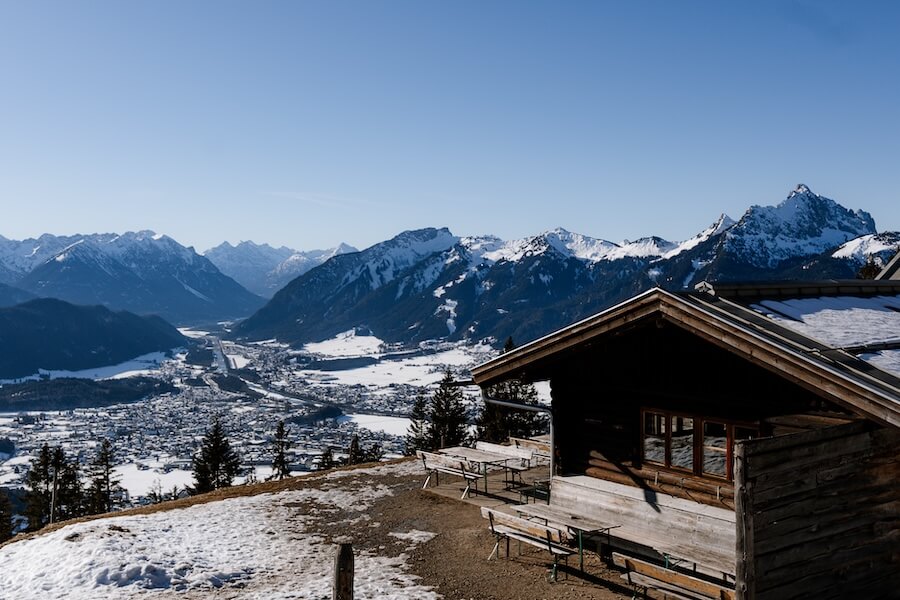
{"x": 263, "y": 269}
{"x": 480, "y": 287}
{"x": 141, "y": 271}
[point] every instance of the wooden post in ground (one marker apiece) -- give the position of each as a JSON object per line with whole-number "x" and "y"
{"x": 343, "y": 573}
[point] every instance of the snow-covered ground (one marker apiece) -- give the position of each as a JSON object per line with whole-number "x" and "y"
{"x": 390, "y": 425}
{"x": 347, "y": 344}
{"x": 423, "y": 370}
{"x": 265, "y": 546}
{"x": 139, "y": 482}
{"x": 146, "y": 364}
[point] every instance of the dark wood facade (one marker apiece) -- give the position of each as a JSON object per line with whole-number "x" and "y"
{"x": 599, "y": 395}
{"x": 809, "y": 438}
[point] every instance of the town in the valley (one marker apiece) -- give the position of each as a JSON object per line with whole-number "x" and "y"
{"x": 320, "y": 393}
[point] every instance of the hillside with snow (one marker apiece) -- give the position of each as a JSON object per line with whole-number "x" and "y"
{"x": 430, "y": 284}
{"x": 267, "y": 545}
{"x": 142, "y": 272}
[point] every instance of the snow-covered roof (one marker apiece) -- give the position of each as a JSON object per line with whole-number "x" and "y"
{"x": 844, "y": 322}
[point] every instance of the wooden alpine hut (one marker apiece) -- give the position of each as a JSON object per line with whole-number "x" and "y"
{"x": 746, "y": 434}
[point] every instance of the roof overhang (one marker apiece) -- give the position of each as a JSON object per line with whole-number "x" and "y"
{"x": 891, "y": 271}
{"x": 832, "y": 374}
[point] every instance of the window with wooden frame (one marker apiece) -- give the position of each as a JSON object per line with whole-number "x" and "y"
{"x": 699, "y": 445}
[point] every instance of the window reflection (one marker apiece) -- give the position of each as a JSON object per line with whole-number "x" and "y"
{"x": 715, "y": 448}
{"x": 683, "y": 443}
{"x": 655, "y": 437}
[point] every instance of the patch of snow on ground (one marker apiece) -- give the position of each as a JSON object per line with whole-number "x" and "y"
{"x": 390, "y": 425}
{"x": 192, "y": 333}
{"x": 414, "y": 535}
{"x": 146, "y": 364}
{"x": 238, "y": 361}
{"x": 346, "y": 345}
{"x": 419, "y": 370}
{"x": 265, "y": 546}
{"x": 449, "y": 307}
{"x": 139, "y": 482}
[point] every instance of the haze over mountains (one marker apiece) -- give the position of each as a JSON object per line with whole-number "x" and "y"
{"x": 263, "y": 269}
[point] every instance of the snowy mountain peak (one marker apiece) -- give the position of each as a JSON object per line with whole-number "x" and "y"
{"x": 382, "y": 262}
{"x": 801, "y": 225}
{"x": 264, "y": 269}
{"x": 801, "y": 188}
{"x": 724, "y": 222}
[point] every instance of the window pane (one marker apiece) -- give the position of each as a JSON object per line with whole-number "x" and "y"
{"x": 655, "y": 438}
{"x": 715, "y": 448}
{"x": 683, "y": 443}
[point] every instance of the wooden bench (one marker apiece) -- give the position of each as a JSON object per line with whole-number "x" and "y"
{"x": 520, "y": 458}
{"x": 645, "y": 575}
{"x": 435, "y": 464}
{"x": 505, "y": 526}
{"x": 540, "y": 448}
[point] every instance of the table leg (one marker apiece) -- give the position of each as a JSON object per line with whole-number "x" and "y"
{"x": 580, "y": 553}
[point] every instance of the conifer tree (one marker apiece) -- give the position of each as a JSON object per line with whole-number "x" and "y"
{"x": 103, "y": 484}
{"x": 354, "y": 454}
{"x": 497, "y": 423}
{"x": 418, "y": 435}
{"x": 6, "y": 515}
{"x": 69, "y": 488}
{"x": 216, "y": 464}
{"x": 448, "y": 415}
{"x": 280, "y": 445}
{"x": 39, "y": 481}
{"x": 326, "y": 460}
{"x": 870, "y": 270}
{"x": 374, "y": 454}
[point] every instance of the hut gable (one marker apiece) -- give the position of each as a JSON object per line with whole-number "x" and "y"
{"x": 840, "y": 341}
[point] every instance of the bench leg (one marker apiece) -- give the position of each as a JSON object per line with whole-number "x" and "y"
{"x": 495, "y": 551}
{"x": 465, "y": 491}
{"x": 427, "y": 479}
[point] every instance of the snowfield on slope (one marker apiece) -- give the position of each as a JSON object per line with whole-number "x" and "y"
{"x": 265, "y": 546}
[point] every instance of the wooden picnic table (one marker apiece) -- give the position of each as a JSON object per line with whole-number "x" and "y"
{"x": 574, "y": 522}
{"x": 482, "y": 458}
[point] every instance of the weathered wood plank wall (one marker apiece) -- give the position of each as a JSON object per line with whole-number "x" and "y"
{"x": 818, "y": 514}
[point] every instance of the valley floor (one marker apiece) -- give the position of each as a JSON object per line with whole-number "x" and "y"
{"x": 276, "y": 540}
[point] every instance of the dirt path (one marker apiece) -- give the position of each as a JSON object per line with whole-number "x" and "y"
{"x": 455, "y": 561}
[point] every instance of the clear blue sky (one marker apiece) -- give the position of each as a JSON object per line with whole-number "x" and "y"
{"x": 310, "y": 123}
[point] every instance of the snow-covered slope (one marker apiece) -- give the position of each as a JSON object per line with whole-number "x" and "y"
{"x": 274, "y": 546}
{"x": 141, "y": 271}
{"x": 879, "y": 246}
